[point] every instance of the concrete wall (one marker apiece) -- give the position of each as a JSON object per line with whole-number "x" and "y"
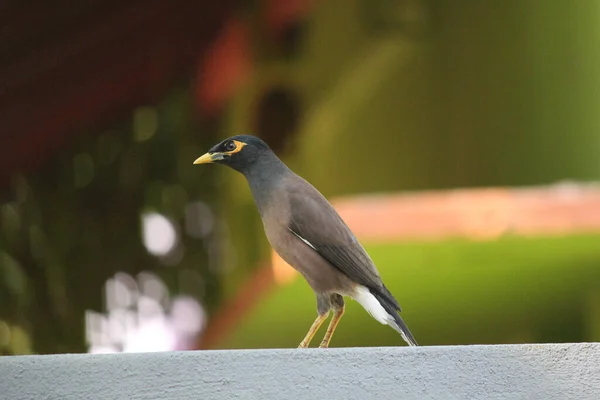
{"x": 566, "y": 371}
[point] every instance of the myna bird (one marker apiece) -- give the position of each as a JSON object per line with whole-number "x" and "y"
{"x": 308, "y": 234}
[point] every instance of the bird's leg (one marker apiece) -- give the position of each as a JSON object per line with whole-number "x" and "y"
{"x": 323, "y": 307}
{"x": 337, "y": 303}
{"x": 313, "y": 329}
{"x": 337, "y": 315}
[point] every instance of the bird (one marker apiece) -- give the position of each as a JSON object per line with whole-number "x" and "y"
{"x": 306, "y": 231}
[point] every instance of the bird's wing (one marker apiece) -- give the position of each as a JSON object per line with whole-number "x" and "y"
{"x": 317, "y": 224}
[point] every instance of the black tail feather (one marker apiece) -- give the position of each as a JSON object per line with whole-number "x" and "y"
{"x": 389, "y": 304}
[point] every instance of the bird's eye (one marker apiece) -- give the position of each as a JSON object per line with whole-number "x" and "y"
{"x": 230, "y": 146}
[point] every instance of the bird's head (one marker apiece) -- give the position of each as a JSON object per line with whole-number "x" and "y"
{"x": 239, "y": 152}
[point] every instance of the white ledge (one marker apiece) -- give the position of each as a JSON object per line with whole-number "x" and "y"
{"x": 561, "y": 371}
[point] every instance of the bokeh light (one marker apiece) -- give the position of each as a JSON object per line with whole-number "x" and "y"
{"x": 159, "y": 234}
{"x": 199, "y": 219}
{"x": 142, "y": 318}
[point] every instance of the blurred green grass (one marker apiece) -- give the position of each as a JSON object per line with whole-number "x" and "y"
{"x": 510, "y": 290}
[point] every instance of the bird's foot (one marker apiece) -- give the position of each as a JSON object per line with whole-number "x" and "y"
{"x": 324, "y": 345}
{"x": 303, "y": 345}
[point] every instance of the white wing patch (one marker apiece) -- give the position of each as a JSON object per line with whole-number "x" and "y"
{"x": 370, "y": 303}
{"x": 309, "y": 244}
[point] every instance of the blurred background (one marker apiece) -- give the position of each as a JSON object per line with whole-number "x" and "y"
{"x": 460, "y": 140}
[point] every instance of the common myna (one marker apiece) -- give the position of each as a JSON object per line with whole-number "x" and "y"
{"x": 306, "y": 232}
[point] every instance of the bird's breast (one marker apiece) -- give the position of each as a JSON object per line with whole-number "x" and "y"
{"x": 318, "y": 272}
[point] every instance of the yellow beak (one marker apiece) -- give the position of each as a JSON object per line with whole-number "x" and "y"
{"x": 208, "y": 158}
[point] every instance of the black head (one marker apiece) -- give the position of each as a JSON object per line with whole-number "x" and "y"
{"x": 240, "y": 152}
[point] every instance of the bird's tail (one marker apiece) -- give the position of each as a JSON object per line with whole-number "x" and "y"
{"x": 391, "y": 306}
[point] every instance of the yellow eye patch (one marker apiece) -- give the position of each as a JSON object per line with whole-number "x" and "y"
{"x": 238, "y": 147}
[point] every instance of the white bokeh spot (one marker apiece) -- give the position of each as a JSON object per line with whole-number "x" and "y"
{"x": 158, "y": 233}
{"x": 145, "y": 320}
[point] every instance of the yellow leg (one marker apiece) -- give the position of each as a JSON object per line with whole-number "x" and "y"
{"x": 337, "y": 315}
{"x": 313, "y": 329}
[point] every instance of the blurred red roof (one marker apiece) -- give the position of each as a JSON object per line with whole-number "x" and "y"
{"x": 67, "y": 65}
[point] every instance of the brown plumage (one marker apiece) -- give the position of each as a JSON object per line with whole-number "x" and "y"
{"x": 307, "y": 232}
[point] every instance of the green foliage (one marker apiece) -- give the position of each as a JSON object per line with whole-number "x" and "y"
{"x": 68, "y": 227}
